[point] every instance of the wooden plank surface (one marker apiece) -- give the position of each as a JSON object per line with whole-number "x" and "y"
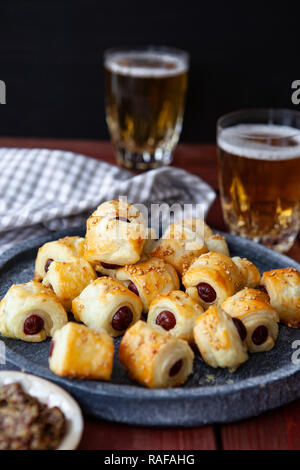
{"x": 278, "y": 429}
{"x": 112, "y": 436}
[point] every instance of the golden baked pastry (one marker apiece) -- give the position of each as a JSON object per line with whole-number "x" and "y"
{"x": 217, "y": 243}
{"x": 148, "y": 279}
{"x": 179, "y": 246}
{"x": 283, "y": 287}
{"x": 77, "y": 351}
{"x": 212, "y": 278}
{"x": 259, "y": 318}
{"x": 218, "y": 339}
{"x": 107, "y": 303}
{"x": 174, "y": 313}
{"x": 30, "y": 312}
{"x": 249, "y": 272}
{"x": 68, "y": 278}
{"x": 59, "y": 250}
{"x": 154, "y": 359}
{"x": 111, "y": 270}
{"x": 115, "y": 234}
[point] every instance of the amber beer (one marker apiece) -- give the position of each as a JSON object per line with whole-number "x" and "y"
{"x": 145, "y": 93}
{"x": 259, "y": 178}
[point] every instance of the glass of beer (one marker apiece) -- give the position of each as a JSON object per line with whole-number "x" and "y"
{"x": 145, "y": 94}
{"x": 259, "y": 174}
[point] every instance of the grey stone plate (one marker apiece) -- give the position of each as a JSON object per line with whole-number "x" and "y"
{"x": 266, "y": 381}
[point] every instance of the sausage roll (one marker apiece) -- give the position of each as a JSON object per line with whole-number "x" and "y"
{"x": 217, "y": 243}
{"x": 179, "y": 246}
{"x": 149, "y": 279}
{"x": 257, "y": 319}
{"x": 154, "y": 359}
{"x": 218, "y": 339}
{"x": 68, "y": 279}
{"x": 103, "y": 269}
{"x": 77, "y": 351}
{"x": 174, "y": 312}
{"x": 283, "y": 287}
{"x": 212, "y": 278}
{"x": 31, "y": 312}
{"x": 59, "y": 250}
{"x": 249, "y": 272}
{"x": 107, "y": 303}
{"x": 115, "y": 234}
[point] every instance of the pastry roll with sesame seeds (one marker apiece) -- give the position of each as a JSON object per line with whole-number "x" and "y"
{"x": 249, "y": 272}
{"x": 153, "y": 359}
{"x": 59, "y": 250}
{"x": 179, "y": 246}
{"x": 258, "y": 317}
{"x": 218, "y": 339}
{"x": 149, "y": 279}
{"x": 283, "y": 288}
{"x": 115, "y": 234}
{"x": 212, "y": 278}
{"x": 174, "y": 312}
{"x": 31, "y": 312}
{"x": 107, "y": 303}
{"x": 217, "y": 243}
{"x": 67, "y": 279}
{"x": 77, "y": 351}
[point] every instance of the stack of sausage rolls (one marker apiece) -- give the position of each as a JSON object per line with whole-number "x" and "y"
{"x": 179, "y": 299}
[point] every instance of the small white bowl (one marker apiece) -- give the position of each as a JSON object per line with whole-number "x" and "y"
{"x": 52, "y": 395}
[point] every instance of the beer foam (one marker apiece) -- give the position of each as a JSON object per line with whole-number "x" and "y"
{"x": 114, "y": 63}
{"x": 237, "y": 141}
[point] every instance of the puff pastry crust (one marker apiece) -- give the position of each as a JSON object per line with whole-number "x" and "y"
{"x": 67, "y": 279}
{"x": 154, "y": 359}
{"x": 77, "y": 351}
{"x": 30, "y": 312}
{"x": 218, "y": 340}
{"x": 212, "y": 278}
{"x": 179, "y": 246}
{"x": 283, "y": 287}
{"x": 217, "y": 243}
{"x": 115, "y": 234}
{"x": 149, "y": 279}
{"x": 249, "y": 272}
{"x": 174, "y": 313}
{"x": 107, "y": 303}
{"x": 258, "y": 316}
{"x": 59, "y": 250}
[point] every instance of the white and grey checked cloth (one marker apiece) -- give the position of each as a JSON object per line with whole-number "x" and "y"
{"x": 43, "y": 190}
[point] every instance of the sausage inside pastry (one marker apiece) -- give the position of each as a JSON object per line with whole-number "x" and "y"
{"x": 115, "y": 234}
{"x": 255, "y": 318}
{"x": 154, "y": 359}
{"x": 283, "y": 287}
{"x": 249, "y": 272}
{"x": 212, "y": 278}
{"x": 77, "y": 351}
{"x": 68, "y": 279}
{"x": 107, "y": 303}
{"x": 179, "y": 246}
{"x": 149, "y": 279}
{"x": 59, "y": 250}
{"x": 218, "y": 339}
{"x": 30, "y": 312}
{"x": 174, "y": 312}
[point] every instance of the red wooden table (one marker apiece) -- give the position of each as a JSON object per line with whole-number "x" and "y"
{"x": 278, "y": 429}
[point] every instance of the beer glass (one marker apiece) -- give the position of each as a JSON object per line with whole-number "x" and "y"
{"x": 145, "y": 94}
{"x": 259, "y": 174}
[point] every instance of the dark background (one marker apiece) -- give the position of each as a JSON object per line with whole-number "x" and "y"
{"x": 243, "y": 55}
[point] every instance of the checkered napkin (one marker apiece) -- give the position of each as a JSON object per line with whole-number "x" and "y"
{"x": 47, "y": 190}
